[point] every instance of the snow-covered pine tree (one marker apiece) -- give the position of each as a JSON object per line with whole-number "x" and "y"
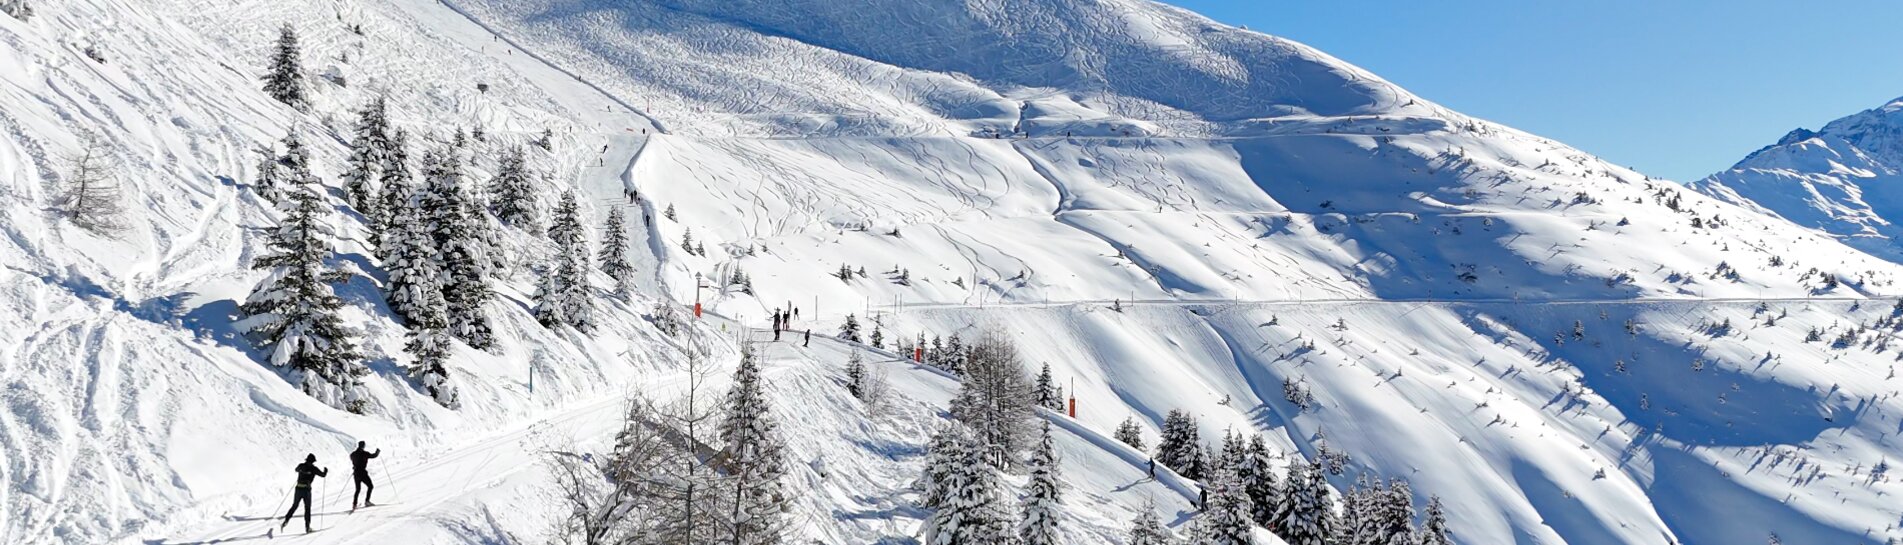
{"x": 463, "y": 253}
{"x": 1306, "y": 517}
{"x": 1226, "y": 517}
{"x": 1043, "y": 495}
{"x": 563, "y": 297}
{"x": 972, "y": 513}
{"x": 270, "y": 180}
{"x": 294, "y": 311}
{"x": 1047, "y": 393}
{"x": 1181, "y": 447}
{"x": 1434, "y": 527}
{"x": 878, "y": 337}
{"x": 945, "y": 451}
{"x": 614, "y": 253}
{"x": 428, "y": 339}
{"x": 1360, "y": 513}
{"x": 284, "y": 80}
{"x": 1265, "y": 494}
{"x": 1130, "y": 433}
{"x": 512, "y": 192}
{"x": 369, "y": 152}
{"x": 394, "y": 184}
{"x": 410, "y": 259}
{"x": 850, "y": 329}
{"x": 754, "y": 455}
{"x": 1147, "y": 529}
{"x": 856, "y": 375}
{"x": 1394, "y": 514}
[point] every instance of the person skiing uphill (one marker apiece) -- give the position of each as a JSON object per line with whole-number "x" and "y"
{"x": 360, "y": 472}
{"x": 302, "y": 494}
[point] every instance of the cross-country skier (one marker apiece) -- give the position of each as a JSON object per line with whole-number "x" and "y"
{"x": 809, "y": 338}
{"x": 360, "y": 472}
{"x": 302, "y": 494}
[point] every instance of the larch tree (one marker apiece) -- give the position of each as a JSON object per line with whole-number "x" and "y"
{"x": 284, "y": 78}
{"x": 88, "y": 192}
{"x": 994, "y": 399}
{"x": 294, "y": 312}
{"x": 1043, "y": 499}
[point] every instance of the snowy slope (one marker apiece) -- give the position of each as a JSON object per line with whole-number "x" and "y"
{"x": 1841, "y": 179}
{"x": 1238, "y": 194}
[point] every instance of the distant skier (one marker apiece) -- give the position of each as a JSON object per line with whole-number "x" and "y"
{"x": 809, "y": 338}
{"x": 302, "y": 494}
{"x": 360, "y": 472}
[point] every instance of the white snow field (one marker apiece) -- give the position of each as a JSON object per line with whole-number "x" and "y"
{"x": 1171, "y": 212}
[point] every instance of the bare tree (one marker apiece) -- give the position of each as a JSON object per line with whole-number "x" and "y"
{"x": 995, "y": 400}
{"x": 88, "y": 192}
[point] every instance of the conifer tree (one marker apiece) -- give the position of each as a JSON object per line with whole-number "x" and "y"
{"x": 462, "y": 251}
{"x": 295, "y": 310}
{"x": 1048, "y": 394}
{"x": 754, "y": 455}
{"x": 1043, "y": 495}
{"x": 850, "y": 329}
{"x": 563, "y": 297}
{"x": 878, "y": 337}
{"x": 1434, "y": 528}
{"x": 369, "y": 152}
{"x": 1226, "y": 517}
{"x": 1130, "y": 433}
{"x": 394, "y": 183}
{"x": 855, "y": 375}
{"x": 271, "y": 177}
{"x": 285, "y": 79}
{"x": 945, "y": 451}
{"x": 1181, "y": 448}
{"x": 429, "y": 342}
{"x": 88, "y": 192}
{"x": 295, "y": 164}
{"x": 1265, "y": 494}
{"x": 1148, "y": 529}
{"x": 1306, "y": 517}
{"x": 513, "y": 192}
{"x": 1394, "y": 514}
{"x": 410, "y": 259}
{"x": 972, "y": 512}
{"x": 614, "y": 253}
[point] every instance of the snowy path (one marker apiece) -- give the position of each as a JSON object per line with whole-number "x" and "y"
{"x": 416, "y": 486}
{"x": 1374, "y": 301}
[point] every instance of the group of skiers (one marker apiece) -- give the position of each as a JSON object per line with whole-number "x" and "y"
{"x": 308, "y": 472}
{"x": 783, "y": 321}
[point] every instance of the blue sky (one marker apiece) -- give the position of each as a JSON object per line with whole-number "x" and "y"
{"x": 1674, "y": 88}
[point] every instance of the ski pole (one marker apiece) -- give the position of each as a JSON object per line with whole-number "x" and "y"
{"x": 323, "y": 488}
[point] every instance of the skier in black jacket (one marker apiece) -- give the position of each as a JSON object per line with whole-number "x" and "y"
{"x": 302, "y": 494}
{"x": 360, "y": 472}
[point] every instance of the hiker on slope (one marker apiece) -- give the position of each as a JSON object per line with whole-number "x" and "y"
{"x": 360, "y": 472}
{"x": 302, "y": 494}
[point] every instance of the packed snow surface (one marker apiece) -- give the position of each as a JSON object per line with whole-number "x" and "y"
{"x": 1170, "y": 212}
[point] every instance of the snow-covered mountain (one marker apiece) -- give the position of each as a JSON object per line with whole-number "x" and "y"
{"x": 1842, "y": 179}
{"x": 1172, "y": 213}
